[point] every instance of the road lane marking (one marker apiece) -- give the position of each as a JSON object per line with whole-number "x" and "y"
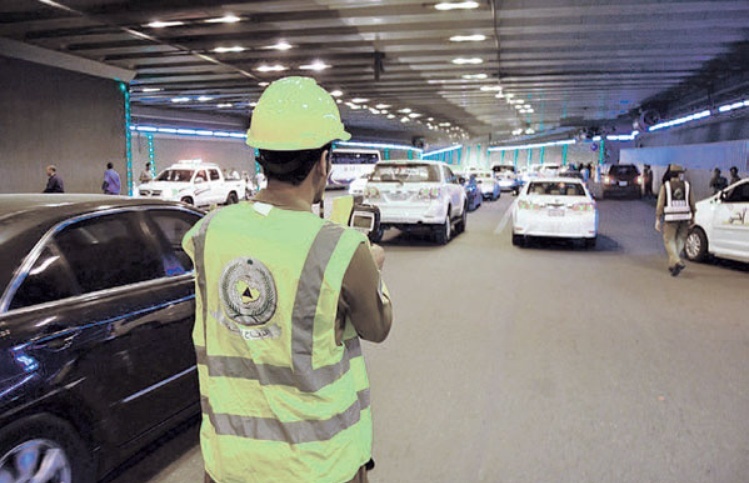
{"x": 505, "y": 219}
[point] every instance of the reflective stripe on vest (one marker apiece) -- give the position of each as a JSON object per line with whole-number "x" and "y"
{"x": 677, "y": 210}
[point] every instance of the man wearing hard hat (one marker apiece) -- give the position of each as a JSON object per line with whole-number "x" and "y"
{"x": 283, "y": 298}
{"x": 676, "y": 206}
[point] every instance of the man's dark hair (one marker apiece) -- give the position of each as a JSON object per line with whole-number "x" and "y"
{"x": 110, "y": 165}
{"x": 290, "y": 166}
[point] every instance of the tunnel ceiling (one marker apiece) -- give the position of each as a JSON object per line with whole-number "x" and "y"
{"x": 560, "y": 63}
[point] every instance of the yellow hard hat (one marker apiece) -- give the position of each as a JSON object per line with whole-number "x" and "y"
{"x": 294, "y": 113}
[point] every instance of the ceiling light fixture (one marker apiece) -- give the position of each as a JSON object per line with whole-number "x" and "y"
{"x": 444, "y": 6}
{"x": 336, "y": 93}
{"x": 151, "y": 89}
{"x": 264, "y": 84}
{"x": 491, "y": 88}
{"x": 414, "y": 115}
{"x": 391, "y": 116}
{"x": 359, "y": 100}
{"x": 271, "y": 68}
{"x": 470, "y": 60}
{"x": 317, "y": 66}
{"x": 229, "y": 18}
{"x": 282, "y": 45}
{"x": 157, "y": 24}
{"x": 475, "y": 76}
{"x": 405, "y": 110}
{"x": 225, "y": 104}
{"x": 224, "y": 50}
{"x": 178, "y": 100}
{"x": 467, "y": 38}
{"x": 205, "y": 98}
{"x": 383, "y": 106}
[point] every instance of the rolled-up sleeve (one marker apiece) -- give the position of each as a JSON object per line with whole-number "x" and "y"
{"x": 364, "y": 302}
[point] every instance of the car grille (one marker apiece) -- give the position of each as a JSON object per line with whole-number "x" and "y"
{"x": 150, "y": 192}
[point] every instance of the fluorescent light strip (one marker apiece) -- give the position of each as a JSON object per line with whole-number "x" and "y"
{"x": 189, "y": 132}
{"x": 681, "y": 120}
{"x": 533, "y": 146}
{"x": 379, "y": 146}
{"x": 735, "y": 105}
{"x": 444, "y": 150}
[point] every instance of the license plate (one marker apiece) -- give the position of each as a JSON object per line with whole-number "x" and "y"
{"x": 556, "y": 212}
{"x": 622, "y": 183}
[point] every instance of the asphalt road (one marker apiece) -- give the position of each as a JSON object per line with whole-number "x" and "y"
{"x": 549, "y": 363}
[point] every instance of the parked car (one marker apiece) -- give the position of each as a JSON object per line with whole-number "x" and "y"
{"x": 195, "y": 183}
{"x": 417, "y": 195}
{"x": 488, "y": 184}
{"x": 507, "y": 178}
{"x": 96, "y": 315}
{"x": 358, "y": 186}
{"x": 555, "y": 208}
{"x": 473, "y": 192}
{"x": 622, "y": 179}
{"x": 721, "y": 225}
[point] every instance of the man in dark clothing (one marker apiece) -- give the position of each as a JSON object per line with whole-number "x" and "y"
{"x": 717, "y": 182}
{"x": 54, "y": 181}
{"x": 734, "y": 175}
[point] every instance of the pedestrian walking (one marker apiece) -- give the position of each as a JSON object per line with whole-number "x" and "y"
{"x": 146, "y": 175}
{"x": 54, "y": 181}
{"x": 647, "y": 181}
{"x": 674, "y": 215}
{"x": 111, "y": 183}
{"x": 717, "y": 181}
{"x": 283, "y": 299}
{"x": 735, "y": 178}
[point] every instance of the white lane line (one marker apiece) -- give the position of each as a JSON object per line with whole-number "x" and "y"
{"x": 505, "y": 219}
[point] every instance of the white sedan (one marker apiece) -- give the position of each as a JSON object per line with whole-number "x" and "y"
{"x": 555, "y": 207}
{"x": 721, "y": 225}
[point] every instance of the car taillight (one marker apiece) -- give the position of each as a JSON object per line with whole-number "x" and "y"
{"x": 429, "y": 193}
{"x": 607, "y": 179}
{"x": 585, "y": 206}
{"x": 638, "y": 180}
{"x": 372, "y": 192}
{"x": 524, "y": 205}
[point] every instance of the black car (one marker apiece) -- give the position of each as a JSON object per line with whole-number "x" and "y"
{"x": 622, "y": 180}
{"x": 96, "y": 311}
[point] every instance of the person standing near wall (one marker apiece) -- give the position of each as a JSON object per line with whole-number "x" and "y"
{"x": 111, "y": 183}
{"x": 676, "y": 206}
{"x": 734, "y": 175}
{"x": 146, "y": 175}
{"x": 54, "y": 181}
{"x": 283, "y": 298}
{"x": 647, "y": 181}
{"x": 717, "y": 182}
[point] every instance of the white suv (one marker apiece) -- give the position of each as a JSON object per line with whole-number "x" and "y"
{"x": 721, "y": 225}
{"x": 417, "y": 195}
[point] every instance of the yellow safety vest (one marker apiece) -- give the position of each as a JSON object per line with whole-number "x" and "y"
{"x": 677, "y": 210}
{"x": 281, "y": 401}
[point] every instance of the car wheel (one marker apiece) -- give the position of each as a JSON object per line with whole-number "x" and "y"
{"x": 44, "y": 448}
{"x": 590, "y": 243}
{"x": 518, "y": 240}
{"x": 696, "y": 246}
{"x": 231, "y": 198}
{"x": 460, "y": 227}
{"x": 187, "y": 200}
{"x": 443, "y": 232}
{"x": 376, "y": 236}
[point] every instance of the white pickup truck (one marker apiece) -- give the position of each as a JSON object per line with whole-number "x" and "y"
{"x": 194, "y": 183}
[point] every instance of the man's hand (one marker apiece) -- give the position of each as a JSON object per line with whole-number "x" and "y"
{"x": 658, "y": 226}
{"x": 378, "y": 255}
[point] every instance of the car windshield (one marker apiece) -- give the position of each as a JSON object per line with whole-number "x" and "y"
{"x": 556, "y": 188}
{"x": 406, "y": 173}
{"x": 623, "y": 170}
{"x": 502, "y": 169}
{"x": 175, "y": 175}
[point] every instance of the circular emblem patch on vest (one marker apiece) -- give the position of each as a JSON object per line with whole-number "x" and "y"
{"x": 679, "y": 194}
{"x": 248, "y": 292}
